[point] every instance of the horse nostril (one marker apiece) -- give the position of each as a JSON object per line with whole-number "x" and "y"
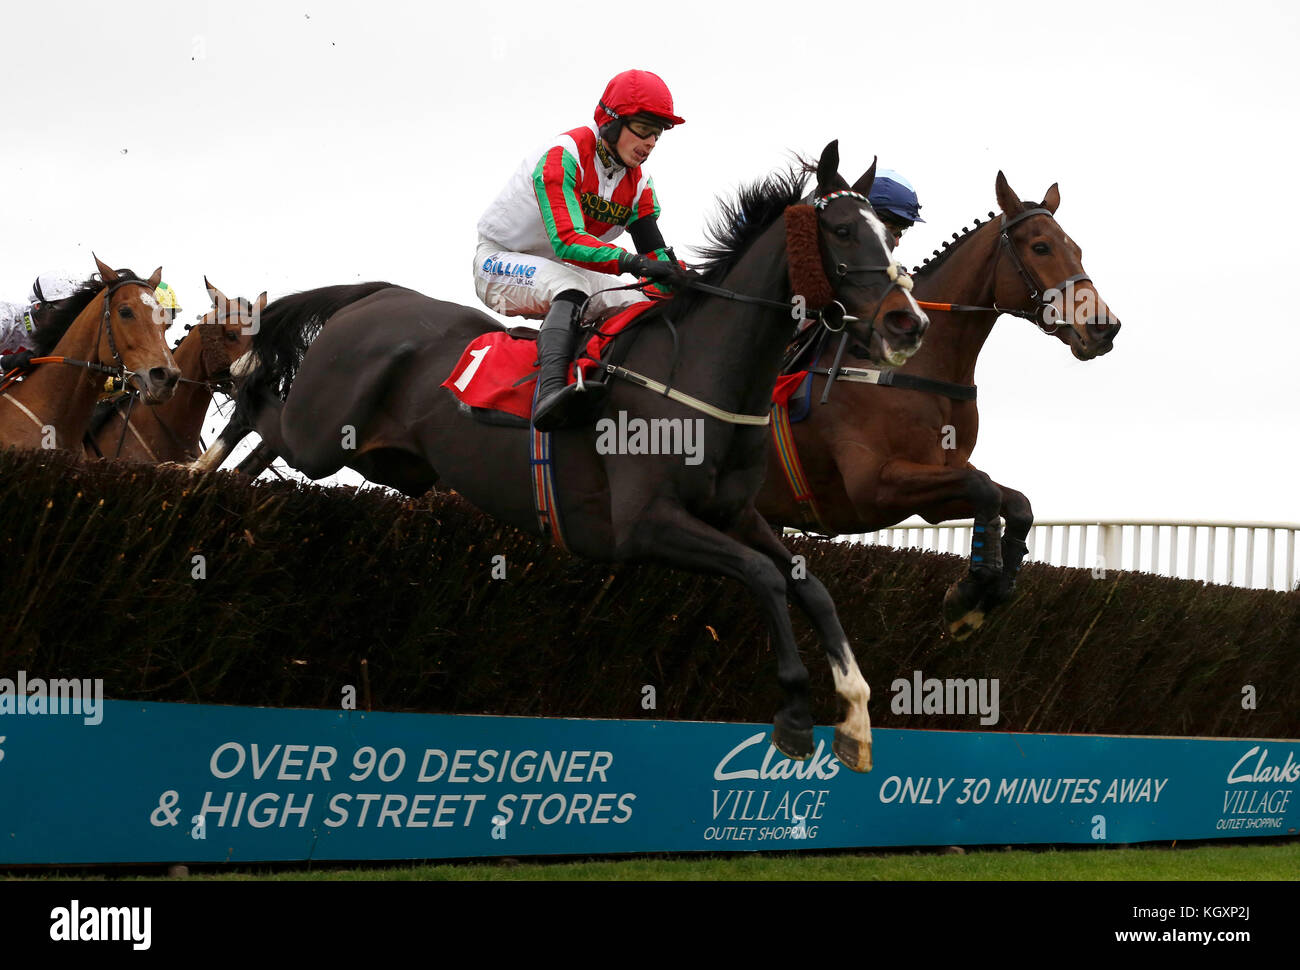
{"x": 164, "y": 376}
{"x": 1104, "y": 329}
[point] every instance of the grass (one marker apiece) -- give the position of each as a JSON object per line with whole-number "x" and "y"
{"x": 1232, "y": 861}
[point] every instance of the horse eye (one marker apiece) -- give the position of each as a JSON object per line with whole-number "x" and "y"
{"x": 1042, "y": 249}
{"x": 843, "y": 232}
{"x": 125, "y": 312}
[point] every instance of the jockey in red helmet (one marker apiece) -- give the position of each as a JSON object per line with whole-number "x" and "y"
{"x": 546, "y": 242}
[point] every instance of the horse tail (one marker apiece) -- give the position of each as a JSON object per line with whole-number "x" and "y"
{"x": 286, "y": 329}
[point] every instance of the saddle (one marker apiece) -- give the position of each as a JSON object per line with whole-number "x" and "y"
{"x": 496, "y": 375}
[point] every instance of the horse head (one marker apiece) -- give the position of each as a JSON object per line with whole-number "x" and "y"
{"x": 131, "y": 332}
{"x": 870, "y": 289}
{"x": 1040, "y": 271}
{"x": 227, "y": 330}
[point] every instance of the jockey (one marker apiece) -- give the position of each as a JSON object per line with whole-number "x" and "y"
{"x": 545, "y": 243}
{"x": 895, "y": 201}
{"x": 18, "y": 321}
{"x": 169, "y": 302}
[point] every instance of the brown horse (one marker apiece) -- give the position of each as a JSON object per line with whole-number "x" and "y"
{"x": 109, "y": 326}
{"x": 869, "y": 456}
{"x": 170, "y": 432}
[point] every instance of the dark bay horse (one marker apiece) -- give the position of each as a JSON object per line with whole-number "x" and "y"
{"x": 874, "y": 455}
{"x": 109, "y": 326}
{"x": 171, "y": 431}
{"x": 371, "y": 378}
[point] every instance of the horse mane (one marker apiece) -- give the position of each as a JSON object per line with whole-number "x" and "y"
{"x": 934, "y": 261}
{"x": 738, "y": 224}
{"x": 286, "y": 329}
{"x": 48, "y": 334}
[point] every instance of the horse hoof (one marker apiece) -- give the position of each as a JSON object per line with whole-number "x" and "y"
{"x": 963, "y": 612}
{"x": 962, "y": 628}
{"x": 853, "y": 754}
{"x": 793, "y": 742}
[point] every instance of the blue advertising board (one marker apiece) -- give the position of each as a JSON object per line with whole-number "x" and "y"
{"x": 199, "y": 783}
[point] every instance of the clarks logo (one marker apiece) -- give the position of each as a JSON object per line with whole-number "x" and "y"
{"x": 1242, "y": 773}
{"x": 821, "y": 765}
{"x": 596, "y": 207}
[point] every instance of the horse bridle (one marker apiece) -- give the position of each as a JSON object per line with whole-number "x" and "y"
{"x": 1048, "y": 323}
{"x": 106, "y": 324}
{"x": 891, "y": 270}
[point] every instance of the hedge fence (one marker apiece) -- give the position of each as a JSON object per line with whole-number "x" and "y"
{"x": 216, "y": 590}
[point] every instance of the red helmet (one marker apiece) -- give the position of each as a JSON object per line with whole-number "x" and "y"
{"x": 636, "y": 92}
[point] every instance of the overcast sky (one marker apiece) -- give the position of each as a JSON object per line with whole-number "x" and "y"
{"x": 283, "y": 146}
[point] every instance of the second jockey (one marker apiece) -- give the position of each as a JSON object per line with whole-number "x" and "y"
{"x": 895, "y": 201}
{"x": 546, "y": 243}
{"x": 18, "y": 321}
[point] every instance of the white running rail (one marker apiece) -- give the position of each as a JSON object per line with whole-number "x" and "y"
{"x": 1251, "y": 554}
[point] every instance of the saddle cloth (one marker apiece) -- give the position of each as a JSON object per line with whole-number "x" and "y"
{"x": 498, "y": 370}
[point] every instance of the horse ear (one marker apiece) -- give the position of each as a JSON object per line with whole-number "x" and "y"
{"x": 260, "y": 303}
{"x": 828, "y": 169}
{"x": 863, "y": 185}
{"x": 1007, "y": 199}
{"x": 1052, "y": 199}
{"x": 106, "y": 273}
{"x": 155, "y": 279}
{"x": 218, "y": 298}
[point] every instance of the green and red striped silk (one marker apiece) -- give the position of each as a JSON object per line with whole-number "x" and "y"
{"x": 576, "y": 209}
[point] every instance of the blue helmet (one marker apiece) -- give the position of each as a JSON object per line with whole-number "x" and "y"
{"x": 892, "y": 193}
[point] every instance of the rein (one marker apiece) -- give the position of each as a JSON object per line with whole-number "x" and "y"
{"x": 1039, "y": 315}
{"x": 807, "y": 270}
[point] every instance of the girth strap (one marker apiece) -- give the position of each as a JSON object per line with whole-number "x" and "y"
{"x": 754, "y": 420}
{"x": 908, "y": 382}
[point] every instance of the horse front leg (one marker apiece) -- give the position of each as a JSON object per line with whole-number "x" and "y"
{"x": 263, "y": 417}
{"x": 665, "y": 532}
{"x": 231, "y": 435}
{"x": 941, "y": 492}
{"x": 852, "y": 742}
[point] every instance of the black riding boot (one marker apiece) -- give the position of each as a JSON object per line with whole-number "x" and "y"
{"x": 559, "y": 404}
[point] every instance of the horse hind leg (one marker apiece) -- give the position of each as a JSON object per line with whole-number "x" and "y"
{"x": 1019, "y": 518}
{"x": 963, "y": 605}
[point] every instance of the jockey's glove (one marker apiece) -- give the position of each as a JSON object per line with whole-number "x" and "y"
{"x": 21, "y": 359}
{"x": 646, "y": 267}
